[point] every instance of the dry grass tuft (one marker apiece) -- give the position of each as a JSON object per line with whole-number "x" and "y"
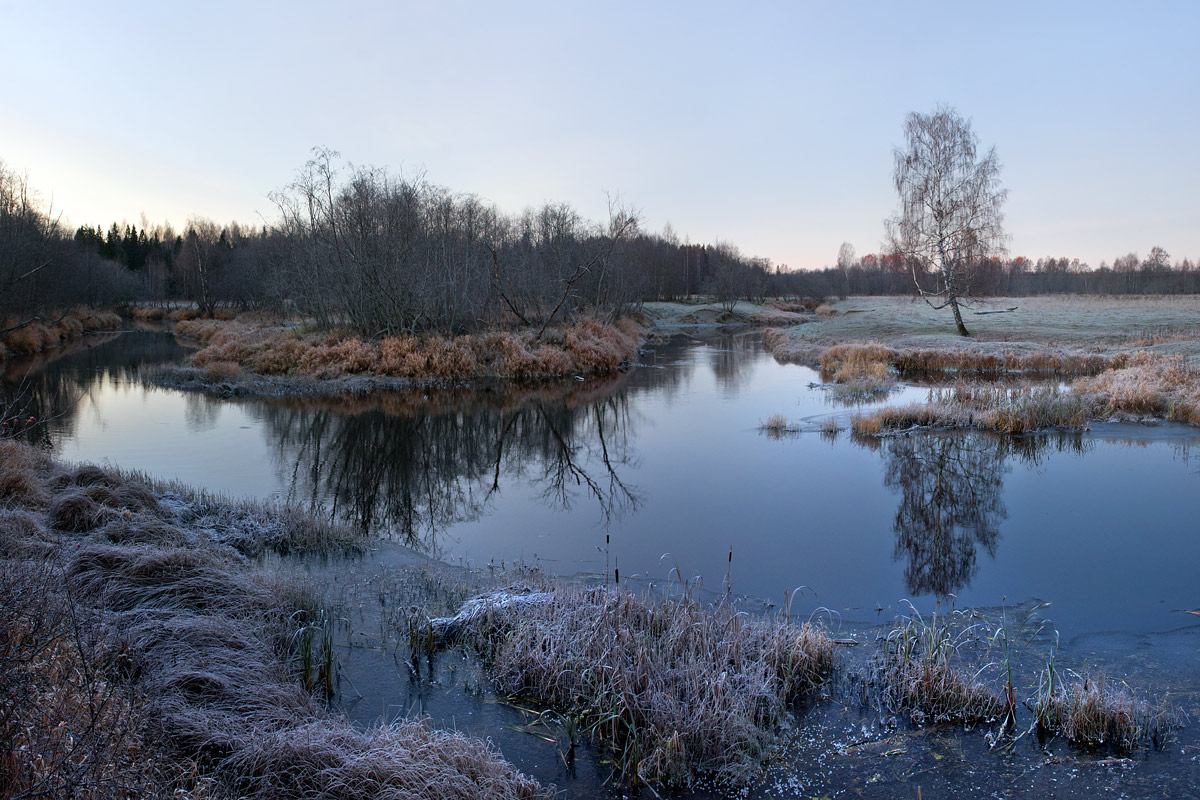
{"x": 860, "y": 371}
{"x": 677, "y": 690}
{"x": 1092, "y": 711}
{"x": 400, "y": 761}
{"x": 922, "y": 677}
{"x": 22, "y": 474}
{"x": 777, "y": 426}
{"x": 142, "y": 530}
{"x": 23, "y": 535}
{"x": 182, "y": 580}
{"x": 222, "y": 371}
{"x": 74, "y": 511}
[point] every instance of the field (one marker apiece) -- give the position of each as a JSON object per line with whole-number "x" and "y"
{"x": 1062, "y": 361}
{"x": 1098, "y": 325}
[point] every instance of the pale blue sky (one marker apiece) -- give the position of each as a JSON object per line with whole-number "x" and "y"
{"x": 769, "y": 125}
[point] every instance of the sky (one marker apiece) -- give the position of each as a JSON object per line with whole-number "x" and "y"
{"x": 768, "y": 125}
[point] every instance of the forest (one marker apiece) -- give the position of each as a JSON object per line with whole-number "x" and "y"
{"x": 385, "y": 254}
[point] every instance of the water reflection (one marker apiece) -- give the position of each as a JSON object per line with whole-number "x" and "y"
{"x": 972, "y": 515}
{"x": 950, "y": 506}
{"x": 732, "y": 360}
{"x": 50, "y": 386}
{"x": 412, "y": 464}
{"x": 951, "y": 499}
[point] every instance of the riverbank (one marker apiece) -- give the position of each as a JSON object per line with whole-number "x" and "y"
{"x": 212, "y": 674}
{"x": 251, "y": 356}
{"x": 143, "y": 653}
{"x": 1126, "y": 358}
{"x": 53, "y": 330}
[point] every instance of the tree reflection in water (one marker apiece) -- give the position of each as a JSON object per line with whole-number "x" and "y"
{"x": 951, "y": 503}
{"x": 51, "y": 385}
{"x": 411, "y": 465}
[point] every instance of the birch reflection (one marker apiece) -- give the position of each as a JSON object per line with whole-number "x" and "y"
{"x": 411, "y": 475}
{"x": 950, "y": 506}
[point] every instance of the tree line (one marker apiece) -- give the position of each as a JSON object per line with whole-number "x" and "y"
{"x": 386, "y": 254}
{"x": 1021, "y": 277}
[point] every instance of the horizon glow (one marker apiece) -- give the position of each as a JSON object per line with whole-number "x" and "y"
{"x": 771, "y": 128}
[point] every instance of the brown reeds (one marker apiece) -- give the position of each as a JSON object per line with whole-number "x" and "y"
{"x": 859, "y": 371}
{"x": 777, "y": 426}
{"x": 41, "y": 335}
{"x": 584, "y": 347}
{"x": 1143, "y": 385}
{"x": 677, "y": 690}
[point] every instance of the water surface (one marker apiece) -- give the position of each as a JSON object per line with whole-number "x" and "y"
{"x": 666, "y": 467}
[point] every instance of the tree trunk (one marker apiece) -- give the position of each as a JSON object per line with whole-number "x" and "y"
{"x": 962, "y": 329}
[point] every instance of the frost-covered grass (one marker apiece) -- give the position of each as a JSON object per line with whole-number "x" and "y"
{"x": 1145, "y": 385}
{"x": 677, "y": 689}
{"x": 1093, "y": 711}
{"x": 1103, "y": 325}
{"x": 669, "y": 315}
{"x": 141, "y": 655}
{"x": 1129, "y": 356}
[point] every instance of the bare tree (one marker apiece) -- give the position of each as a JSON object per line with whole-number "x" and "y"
{"x": 951, "y": 206}
{"x": 201, "y": 260}
{"x": 846, "y": 261}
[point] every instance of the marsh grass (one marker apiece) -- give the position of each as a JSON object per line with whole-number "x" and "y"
{"x": 859, "y": 372}
{"x": 147, "y": 659}
{"x": 675, "y": 689}
{"x": 69, "y": 726}
{"x": 927, "y": 670}
{"x": 1093, "y": 711}
{"x": 38, "y": 336}
{"x": 231, "y": 348}
{"x": 1146, "y": 384}
{"x": 777, "y": 426}
{"x": 1002, "y": 409}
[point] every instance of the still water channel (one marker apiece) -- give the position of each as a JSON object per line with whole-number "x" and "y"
{"x": 667, "y": 466}
{"x": 668, "y": 463}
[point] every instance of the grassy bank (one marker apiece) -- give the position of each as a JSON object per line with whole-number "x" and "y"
{"x": 701, "y": 314}
{"x": 142, "y": 655}
{"x": 53, "y": 330}
{"x": 1126, "y": 357}
{"x": 262, "y": 357}
{"x": 1145, "y": 385}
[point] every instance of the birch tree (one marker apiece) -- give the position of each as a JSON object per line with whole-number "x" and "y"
{"x": 951, "y": 206}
